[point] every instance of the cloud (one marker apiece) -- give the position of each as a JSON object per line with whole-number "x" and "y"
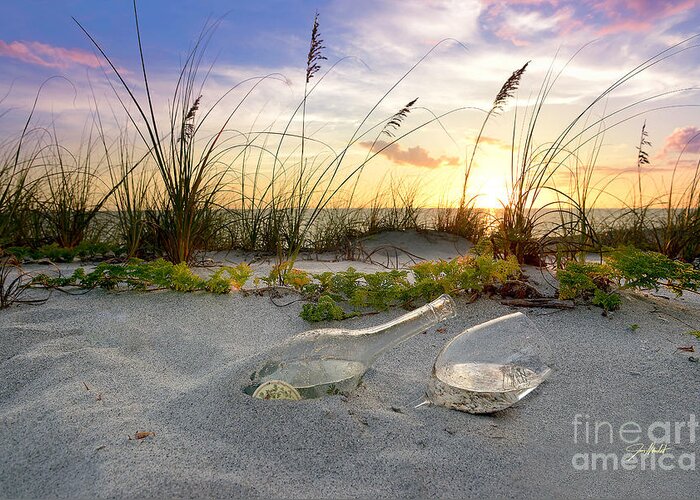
{"x": 493, "y": 141}
{"x": 416, "y": 156}
{"x": 49, "y": 56}
{"x": 394, "y": 31}
{"x": 683, "y": 138}
{"x": 523, "y": 22}
{"x": 636, "y": 16}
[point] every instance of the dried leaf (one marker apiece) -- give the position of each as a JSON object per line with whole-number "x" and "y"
{"x": 689, "y": 348}
{"x": 142, "y": 435}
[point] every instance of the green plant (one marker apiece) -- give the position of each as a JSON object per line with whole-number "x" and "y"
{"x": 695, "y": 333}
{"x": 642, "y": 270}
{"x": 156, "y": 275}
{"x": 191, "y": 177}
{"x": 285, "y": 274}
{"x": 468, "y": 221}
{"x": 229, "y": 278}
{"x": 625, "y": 268}
{"x": 342, "y": 284}
{"x": 19, "y": 253}
{"x": 679, "y": 233}
{"x": 468, "y": 273}
{"x": 18, "y": 158}
{"x": 381, "y": 290}
{"x": 55, "y": 253}
{"x": 326, "y": 309}
{"x": 378, "y": 291}
{"x": 524, "y": 229}
{"x": 634, "y": 327}
{"x": 582, "y": 279}
{"x": 131, "y": 197}
{"x": 182, "y": 279}
{"x": 71, "y": 190}
{"x": 608, "y": 301}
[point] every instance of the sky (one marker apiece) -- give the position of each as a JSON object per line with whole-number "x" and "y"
{"x": 473, "y": 46}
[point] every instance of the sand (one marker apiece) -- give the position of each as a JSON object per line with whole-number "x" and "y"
{"x": 81, "y": 373}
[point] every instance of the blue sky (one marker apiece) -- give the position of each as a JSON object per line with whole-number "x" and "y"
{"x": 38, "y": 39}
{"x": 248, "y": 33}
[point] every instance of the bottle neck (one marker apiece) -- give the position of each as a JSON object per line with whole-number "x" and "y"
{"x": 391, "y": 334}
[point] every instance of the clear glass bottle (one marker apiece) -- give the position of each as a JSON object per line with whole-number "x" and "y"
{"x": 490, "y": 366}
{"x": 320, "y": 362}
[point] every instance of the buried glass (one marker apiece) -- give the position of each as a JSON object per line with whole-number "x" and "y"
{"x": 332, "y": 360}
{"x": 490, "y": 366}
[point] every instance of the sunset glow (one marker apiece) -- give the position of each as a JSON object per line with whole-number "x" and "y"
{"x": 370, "y": 45}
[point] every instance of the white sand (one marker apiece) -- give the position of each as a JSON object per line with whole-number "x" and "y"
{"x": 174, "y": 364}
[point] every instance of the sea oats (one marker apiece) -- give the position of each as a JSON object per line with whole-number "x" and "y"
{"x": 509, "y": 87}
{"x": 395, "y": 121}
{"x": 315, "y": 54}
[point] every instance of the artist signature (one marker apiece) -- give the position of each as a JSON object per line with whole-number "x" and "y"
{"x": 641, "y": 449}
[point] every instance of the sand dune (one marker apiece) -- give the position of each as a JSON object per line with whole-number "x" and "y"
{"x": 81, "y": 373}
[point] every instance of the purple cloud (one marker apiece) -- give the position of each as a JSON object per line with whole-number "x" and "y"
{"x": 683, "y": 138}
{"x": 49, "y": 56}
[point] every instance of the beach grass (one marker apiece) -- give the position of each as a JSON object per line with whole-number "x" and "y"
{"x": 167, "y": 188}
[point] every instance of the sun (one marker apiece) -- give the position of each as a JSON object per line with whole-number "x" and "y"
{"x": 492, "y": 193}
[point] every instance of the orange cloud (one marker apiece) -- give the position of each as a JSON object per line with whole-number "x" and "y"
{"x": 416, "y": 156}
{"x": 492, "y": 141}
{"x": 46, "y": 55}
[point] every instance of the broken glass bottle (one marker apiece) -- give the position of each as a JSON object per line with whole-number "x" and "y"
{"x": 490, "y": 366}
{"x": 332, "y": 360}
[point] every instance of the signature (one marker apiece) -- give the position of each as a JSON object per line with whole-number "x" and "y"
{"x": 640, "y": 448}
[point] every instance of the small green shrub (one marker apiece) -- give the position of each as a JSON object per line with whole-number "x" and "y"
{"x": 184, "y": 280}
{"x": 285, "y": 274}
{"x": 326, "y": 309}
{"x": 20, "y": 253}
{"x": 608, "y": 301}
{"x": 342, "y": 284}
{"x": 581, "y": 280}
{"x": 229, "y": 278}
{"x": 468, "y": 273}
{"x": 381, "y": 290}
{"x": 55, "y": 253}
{"x": 158, "y": 274}
{"x": 625, "y": 268}
{"x": 86, "y": 250}
{"x": 641, "y": 270}
{"x": 296, "y": 279}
